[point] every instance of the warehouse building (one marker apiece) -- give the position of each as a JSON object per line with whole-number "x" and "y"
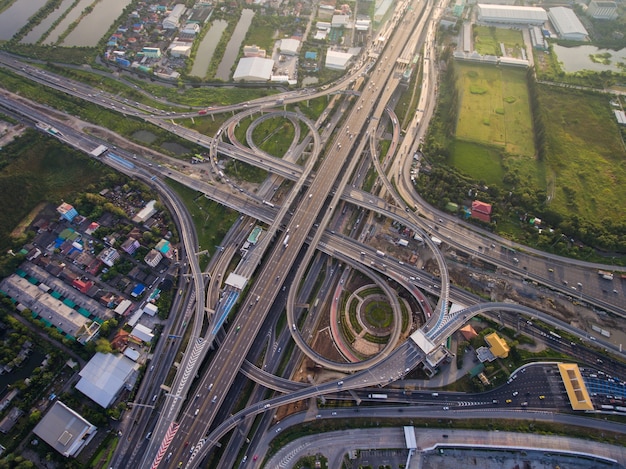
{"x": 567, "y": 24}
{"x": 253, "y": 69}
{"x": 65, "y": 430}
{"x": 601, "y": 10}
{"x": 508, "y": 14}
{"x": 173, "y": 19}
{"x": 105, "y": 376}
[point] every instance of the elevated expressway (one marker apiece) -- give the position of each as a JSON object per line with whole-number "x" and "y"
{"x": 441, "y": 330}
{"x": 229, "y": 357}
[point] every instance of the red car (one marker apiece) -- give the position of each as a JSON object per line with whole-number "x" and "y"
{"x": 256, "y": 456}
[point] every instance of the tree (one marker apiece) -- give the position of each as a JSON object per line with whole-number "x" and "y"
{"x": 103, "y": 346}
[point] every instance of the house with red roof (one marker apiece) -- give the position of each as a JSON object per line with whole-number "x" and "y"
{"x": 481, "y": 211}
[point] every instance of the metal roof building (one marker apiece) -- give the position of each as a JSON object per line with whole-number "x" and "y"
{"x": 253, "y": 69}
{"x": 508, "y": 14}
{"x": 336, "y": 60}
{"x": 104, "y": 377}
{"x": 173, "y": 19}
{"x": 65, "y": 430}
{"x": 567, "y": 24}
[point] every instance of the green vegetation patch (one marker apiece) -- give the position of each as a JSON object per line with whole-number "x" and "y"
{"x": 481, "y": 162}
{"x": 487, "y": 41}
{"x": 211, "y": 219}
{"x": 494, "y": 108}
{"x": 379, "y": 314}
{"x": 586, "y": 153}
{"x": 39, "y": 169}
{"x": 274, "y": 136}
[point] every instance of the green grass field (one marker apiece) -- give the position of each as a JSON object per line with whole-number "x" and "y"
{"x": 494, "y": 108}
{"x": 274, "y": 136}
{"x": 487, "y": 41}
{"x": 479, "y": 161}
{"x": 585, "y": 153}
{"x": 211, "y": 219}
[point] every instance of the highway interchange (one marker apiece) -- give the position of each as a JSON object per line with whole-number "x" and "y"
{"x": 325, "y": 181}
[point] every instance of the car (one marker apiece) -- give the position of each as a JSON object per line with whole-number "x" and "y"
{"x": 266, "y": 406}
{"x": 256, "y": 456}
{"x": 278, "y": 430}
{"x": 318, "y": 416}
{"x": 340, "y": 383}
{"x": 446, "y": 408}
{"x": 245, "y": 458}
{"x": 333, "y": 413}
{"x": 508, "y": 401}
{"x": 515, "y": 393}
{"x": 542, "y": 397}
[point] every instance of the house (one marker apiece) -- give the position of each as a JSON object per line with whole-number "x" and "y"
{"x": 67, "y": 211}
{"x": 130, "y": 246}
{"x": 497, "y": 345}
{"x": 109, "y": 256}
{"x": 82, "y": 286}
{"x": 153, "y": 258}
{"x": 481, "y": 211}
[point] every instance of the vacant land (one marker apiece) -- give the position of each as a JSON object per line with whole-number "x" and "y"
{"x": 494, "y": 108}
{"x": 488, "y": 40}
{"x": 585, "y": 154}
{"x": 35, "y": 168}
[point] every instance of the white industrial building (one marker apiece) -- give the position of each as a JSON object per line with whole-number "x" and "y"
{"x": 289, "y": 46}
{"x": 142, "y": 333}
{"x": 65, "y": 430}
{"x": 253, "y": 69}
{"x": 173, "y": 19}
{"x": 104, "y": 376}
{"x": 336, "y": 60}
{"x": 567, "y": 24}
{"x": 602, "y": 10}
{"x": 509, "y": 14}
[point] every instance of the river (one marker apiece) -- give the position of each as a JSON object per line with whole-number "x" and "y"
{"x": 206, "y": 49}
{"x": 16, "y": 16}
{"x": 232, "y": 49}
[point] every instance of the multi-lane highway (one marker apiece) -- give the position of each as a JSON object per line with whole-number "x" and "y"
{"x": 318, "y": 190}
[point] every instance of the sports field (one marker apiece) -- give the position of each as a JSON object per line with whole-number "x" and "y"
{"x": 494, "y": 108}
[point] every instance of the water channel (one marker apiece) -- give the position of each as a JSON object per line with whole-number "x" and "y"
{"x": 71, "y": 16}
{"x": 207, "y": 47}
{"x": 16, "y": 16}
{"x": 232, "y": 49}
{"x": 35, "y": 34}
{"x": 93, "y": 26}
